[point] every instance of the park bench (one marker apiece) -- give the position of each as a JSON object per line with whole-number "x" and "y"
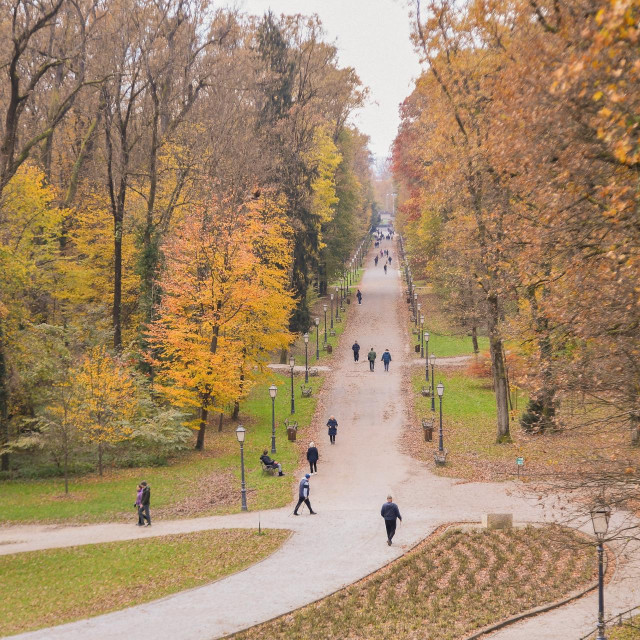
{"x": 313, "y": 371}
{"x": 426, "y": 391}
{"x": 306, "y": 391}
{"x": 268, "y": 470}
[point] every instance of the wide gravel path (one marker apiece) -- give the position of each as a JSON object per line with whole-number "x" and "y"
{"x": 346, "y": 540}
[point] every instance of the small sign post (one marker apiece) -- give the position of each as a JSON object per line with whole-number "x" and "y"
{"x": 519, "y": 463}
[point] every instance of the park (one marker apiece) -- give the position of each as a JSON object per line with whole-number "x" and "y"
{"x": 263, "y": 375}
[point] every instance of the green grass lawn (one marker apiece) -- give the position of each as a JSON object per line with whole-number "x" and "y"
{"x": 45, "y": 588}
{"x": 446, "y": 588}
{"x": 628, "y": 630}
{"x": 190, "y": 479}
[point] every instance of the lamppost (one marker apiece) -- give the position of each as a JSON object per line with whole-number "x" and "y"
{"x": 273, "y": 390}
{"x": 433, "y": 399}
{"x": 331, "y": 314}
{"x": 418, "y": 313}
{"x": 426, "y": 360}
{"x": 422, "y": 336}
{"x": 317, "y": 323}
{"x": 324, "y": 306}
{"x": 292, "y": 364}
{"x": 306, "y": 358}
{"x": 600, "y": 518}
{"x": 338, "y": 302}
{"x": 440, "y": 388}
{"x": 240, "y": 434}
{"x": 415, "y": 307}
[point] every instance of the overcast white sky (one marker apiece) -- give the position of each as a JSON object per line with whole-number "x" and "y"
{"x": 373, "y": 37}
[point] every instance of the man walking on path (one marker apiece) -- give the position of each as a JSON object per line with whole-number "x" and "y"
{"x": 145, "y": 502}
{"x": 386, "y": 358}
{"x": 359, "y": 296}
{"x": 372, "y": 359}
{"x": 356, "y": 351}
{"x": 303, "y": 495}
{"x": 390, "y": 513}
{"x": 333, "y": 429}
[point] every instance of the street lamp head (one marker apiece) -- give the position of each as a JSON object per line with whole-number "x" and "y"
{"x": 240, "y": 433}
{"x": 421, "y": 319}
{"x": 337, "y": 290}
{"x": 306, "y": 338}
{"x": 332, "y": 297}
{"x": 273, "y": 390}
{"x": 317, "y": 321}
{"x": 419, "y": 306}
{"x": 292, "y": 362}
{"x": 600, "y": 518}
{"x": 415, "y": 296}
{"x": 324, "y": 306}
{"x": 440, "y": 389}
{"x": 426, "y": 336}
{"x": 433, "y": 359}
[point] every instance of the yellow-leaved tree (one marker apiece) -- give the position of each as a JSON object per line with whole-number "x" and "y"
{"x": 225, "y": 304}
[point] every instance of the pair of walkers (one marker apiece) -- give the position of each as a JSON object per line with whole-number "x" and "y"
{"x": 386, "y": 359}
{"x": 143, "y": 504}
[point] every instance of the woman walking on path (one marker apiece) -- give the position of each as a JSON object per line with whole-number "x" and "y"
{"x": 145, "y": 503}
{"x": 312, "y": 458}
{"x": 359, "y": 296}
{"x": 386, "y": 358}
{"x": 371, "y": 357}
{"x": 333, "y": 429}
{"x": 138, "y": 505}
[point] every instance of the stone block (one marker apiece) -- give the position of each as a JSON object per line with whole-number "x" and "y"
{"x": 497, "y": 520}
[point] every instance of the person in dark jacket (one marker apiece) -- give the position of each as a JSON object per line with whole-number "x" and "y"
{"x": 356, "y": 351}
{"x": 333, "y": 429}
{"x": 138, "y": 504}
{"x": 390, "y": 513}
{"x": 303, "y": 495}
{"x": 272, "y": 464}
{"x": 312, "y": 458}
{"x": 145, "y": 502}
{"x": 359, "y": 296}
{"x": 386, "y": 358}
{"x": 371, "y": 357}
{"x": 385, "y": 269}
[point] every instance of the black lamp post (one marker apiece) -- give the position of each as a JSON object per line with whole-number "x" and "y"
{"x": 418, "y": 313}
{"x": 426, "y": 351}
{"x": 422, "y": 336}
{"x": 440, "y": 388}
{"x": 292, "y": 364}
{"x": 306, "y": 358}
{"x": 317, "y": 323}
{"x": 324, "y": 306}
{"x": 338, "y": 302}
{"x": 433, "y": 399}
{"x": 331, "y": 314}
{"x": 240, "y": 434}
{"x": 273, "y": 391}
{"x": 415, "y": 307}
{"x": 600, "y": 518}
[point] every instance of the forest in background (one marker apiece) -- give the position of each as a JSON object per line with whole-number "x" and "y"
{"x": 517, "y": 163}
{"x": 177, "y": 181}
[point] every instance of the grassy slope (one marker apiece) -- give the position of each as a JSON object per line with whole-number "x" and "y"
{"x": 45, "y": 588}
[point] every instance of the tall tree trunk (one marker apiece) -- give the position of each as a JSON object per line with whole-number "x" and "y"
{"x": 474, "y": 339}
{"x": 117, "y": 282}
{"x": 221, "y": 419}
{"x": 236, "y": 411}
{"x": 204, "y": 413}
{"x": 100, "y": 458}
{"x": 499, "y": 370}
{"x": 4, "y": 404}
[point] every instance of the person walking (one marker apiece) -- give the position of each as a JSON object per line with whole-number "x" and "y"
{"x": 138, "y": 505}
{"x": 359, "y": 296}
{"x": 390, "y": 513}
{"x": 385, "y": 269}
{"x": 333, "y": 429}
{"x": 375, "y": 261}
{"x": 386, "y": 358}
{"x": 371, "y": 357}
{"x": 145, "y": 503}
{"x": 389, "y": 260}
{"x": 356, "y": 351}
{"x": 312, "y": 458}
{"x": 303, "y": 495}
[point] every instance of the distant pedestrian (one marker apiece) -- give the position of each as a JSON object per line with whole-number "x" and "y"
{"x": 385, "y": 269}
{"x": 312, "y": 458}
{"x": 356, "y": 351}
{"x": 359, "y": 296}
{"x": 390, "y": 513}
{"x": 375, "y": 260}
{"x": 303, "y": 495}
{"x": 333, "y": 429}
{"x": 371, "y": 357}
{"x": 145, "y": 503}
{"x": 386, "y": 358}
{"x": 389, "y": 259}
{"x": 138, "y": 504}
